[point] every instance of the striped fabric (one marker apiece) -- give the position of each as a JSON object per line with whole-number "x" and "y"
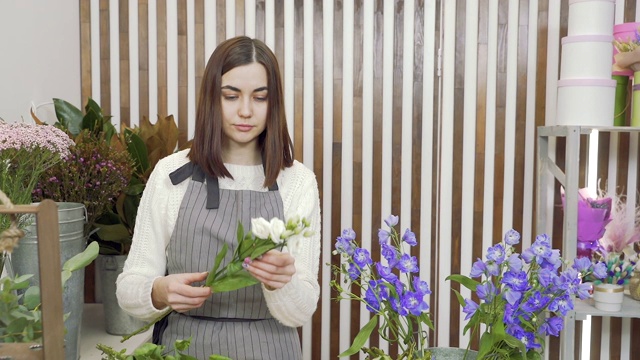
{"x": 236, "y": 324}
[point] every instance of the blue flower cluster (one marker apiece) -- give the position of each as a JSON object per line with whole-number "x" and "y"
{"x": 390, "y": 288}
{"x": 384, "y": 284}
{"x": 527, "y": 292}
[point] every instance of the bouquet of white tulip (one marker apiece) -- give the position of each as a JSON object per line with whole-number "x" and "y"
{"x": 264, "y": 236}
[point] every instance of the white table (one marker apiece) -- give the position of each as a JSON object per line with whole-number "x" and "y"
{"x": 93, "y": 333}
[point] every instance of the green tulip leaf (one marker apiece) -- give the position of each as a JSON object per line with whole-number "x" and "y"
{"x": 219, "y": 257}
{"x": 464, "y": 281}
{"x": 361, "y": 338}
{"x": 236, "y": 281}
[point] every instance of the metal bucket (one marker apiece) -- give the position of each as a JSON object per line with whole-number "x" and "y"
{"x": 24, "y": 260}
{"x": 116, "y": 320}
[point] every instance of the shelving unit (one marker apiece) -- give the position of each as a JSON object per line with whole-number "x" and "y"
{"x": 569, "y": 179}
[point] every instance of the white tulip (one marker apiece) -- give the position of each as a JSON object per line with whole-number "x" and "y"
{"x": 277, "y": 228}
{"x": 260, "y": 228}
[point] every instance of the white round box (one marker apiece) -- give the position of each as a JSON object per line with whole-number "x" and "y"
{"x": 586, "y": 102}
{"x": 608, "y": 297}
{"x": 586, "y": 57}
{"x": 587, "y": 17}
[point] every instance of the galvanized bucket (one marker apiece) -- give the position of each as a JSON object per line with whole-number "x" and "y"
{"x": 117, "y": 322}
{"x": 24, "y": 259}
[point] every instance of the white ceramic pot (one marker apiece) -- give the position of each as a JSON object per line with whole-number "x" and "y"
{"x": 608, "y": 297}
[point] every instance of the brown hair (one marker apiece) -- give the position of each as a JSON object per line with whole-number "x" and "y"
{"x": 274, "y": 142}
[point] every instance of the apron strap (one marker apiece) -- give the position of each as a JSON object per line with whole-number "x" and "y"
{"x": 197, "y": 174}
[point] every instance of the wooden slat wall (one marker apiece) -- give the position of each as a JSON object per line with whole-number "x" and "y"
{"x": 385, "y": 124}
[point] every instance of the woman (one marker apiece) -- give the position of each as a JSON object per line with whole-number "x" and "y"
{"x": 239, "y": 167}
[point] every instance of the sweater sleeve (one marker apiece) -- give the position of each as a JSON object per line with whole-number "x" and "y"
{"x": 294, "y": 304}
{"x": 146, "y": 260}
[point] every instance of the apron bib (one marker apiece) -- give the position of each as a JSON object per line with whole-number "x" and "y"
{"x": 236, "y": 324}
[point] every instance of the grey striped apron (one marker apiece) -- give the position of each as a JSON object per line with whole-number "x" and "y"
{"x": 236, "y": 324}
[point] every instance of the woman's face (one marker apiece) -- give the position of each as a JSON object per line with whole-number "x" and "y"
{"x": 244, "y": 106}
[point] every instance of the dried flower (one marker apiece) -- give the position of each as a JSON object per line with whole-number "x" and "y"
{"x": 93, "y": 174}
{"x": 26, "y": 150}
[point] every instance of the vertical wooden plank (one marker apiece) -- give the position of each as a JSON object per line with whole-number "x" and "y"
{"x": 183, "y": 82}
{"x": 520, "y": 117}
{"x": 143, "y": 58}
{"x": 125, "y": 83}
{"x": 457, "y": 160}
{"x": 199, "y": 61}
{"x": 239, "y": 18}
{"x": 499, "y": 140}
{"x": 481, "y": 116}
{"x": 279, "y": 35}
{"x": 105, "y": 58}
{"x": 221, "y": 21}
{"x": 85, "y": 50}
{"x": 298, "y": 74}
{"x": 161, "y": 14}
{"x": 260, "y": 20}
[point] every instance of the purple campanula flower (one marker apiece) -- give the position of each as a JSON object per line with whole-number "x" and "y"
{"x": 553, "y": 261}
{"x": 493, "y": 269}
{"x": 391, "y": 221}
{"x": 478, "y": 269}
{"x": 396, "y": 305}
{"x": 362, "y": 257}
{"x": 372, "y": 301}
{"x": 582, "y": 264}
{"x": 344, "y": 246}
{"x": 383, "y": 236}
{"x": 409, "y": 237}
{"x": 516, "y": 280}
{"x": 469, "y": 308}
{"x": 486, "y": 291}
{"x": 551, "y": 326}
{"x": 584, "y": 291}
{"x": 414, "y": 303}
{"x": 420, "y": 286}
{"x": 547, "y": 277}
{"x": 514, "y": 263}
{"x": 349, "y": 234}
{"x": 408, "y": 264}
{"x": 510, "y": 295}
{"x": 386, "y": 273}
{"x": 512, "y": 237}
{"x": 390, "y": 254}
{"x": 600, "y": 270}
{"x": 538, "y": 252}
{"x": 561, "y": 304}
{"x": 535, "y": 303}
{"x": 496, "y": 253}
{"x": 353, "y": 271}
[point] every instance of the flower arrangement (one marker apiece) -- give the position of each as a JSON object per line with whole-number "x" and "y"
{"x": 594, "y": 214}
{"x": 27, "y": 150}
{"x": 93, "y": 175}
{"x": 263, "y": 237}
{"x": 524, "y": 297}
{"x": 618, "y": 266}
{"x": 391, "y": 291}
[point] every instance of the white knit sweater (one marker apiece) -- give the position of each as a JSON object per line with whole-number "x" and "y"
{"x": 293, "y": 305}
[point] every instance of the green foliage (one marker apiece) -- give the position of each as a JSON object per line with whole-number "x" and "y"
{"x": 20, "y": 314}
{"x": 149, "y": 351}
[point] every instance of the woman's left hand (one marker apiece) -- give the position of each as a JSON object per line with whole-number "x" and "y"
{"x": 274, "y": 269}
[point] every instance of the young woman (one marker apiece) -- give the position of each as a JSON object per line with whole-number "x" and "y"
{"x": 239, "y": 167}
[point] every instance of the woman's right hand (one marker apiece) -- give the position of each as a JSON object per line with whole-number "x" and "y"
{"x": 176, "y": 291}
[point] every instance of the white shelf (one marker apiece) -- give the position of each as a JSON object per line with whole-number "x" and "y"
{"x": 584, "y": 308}
{"x": 93, "y": 333}
{"x": 569, "y": 178}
